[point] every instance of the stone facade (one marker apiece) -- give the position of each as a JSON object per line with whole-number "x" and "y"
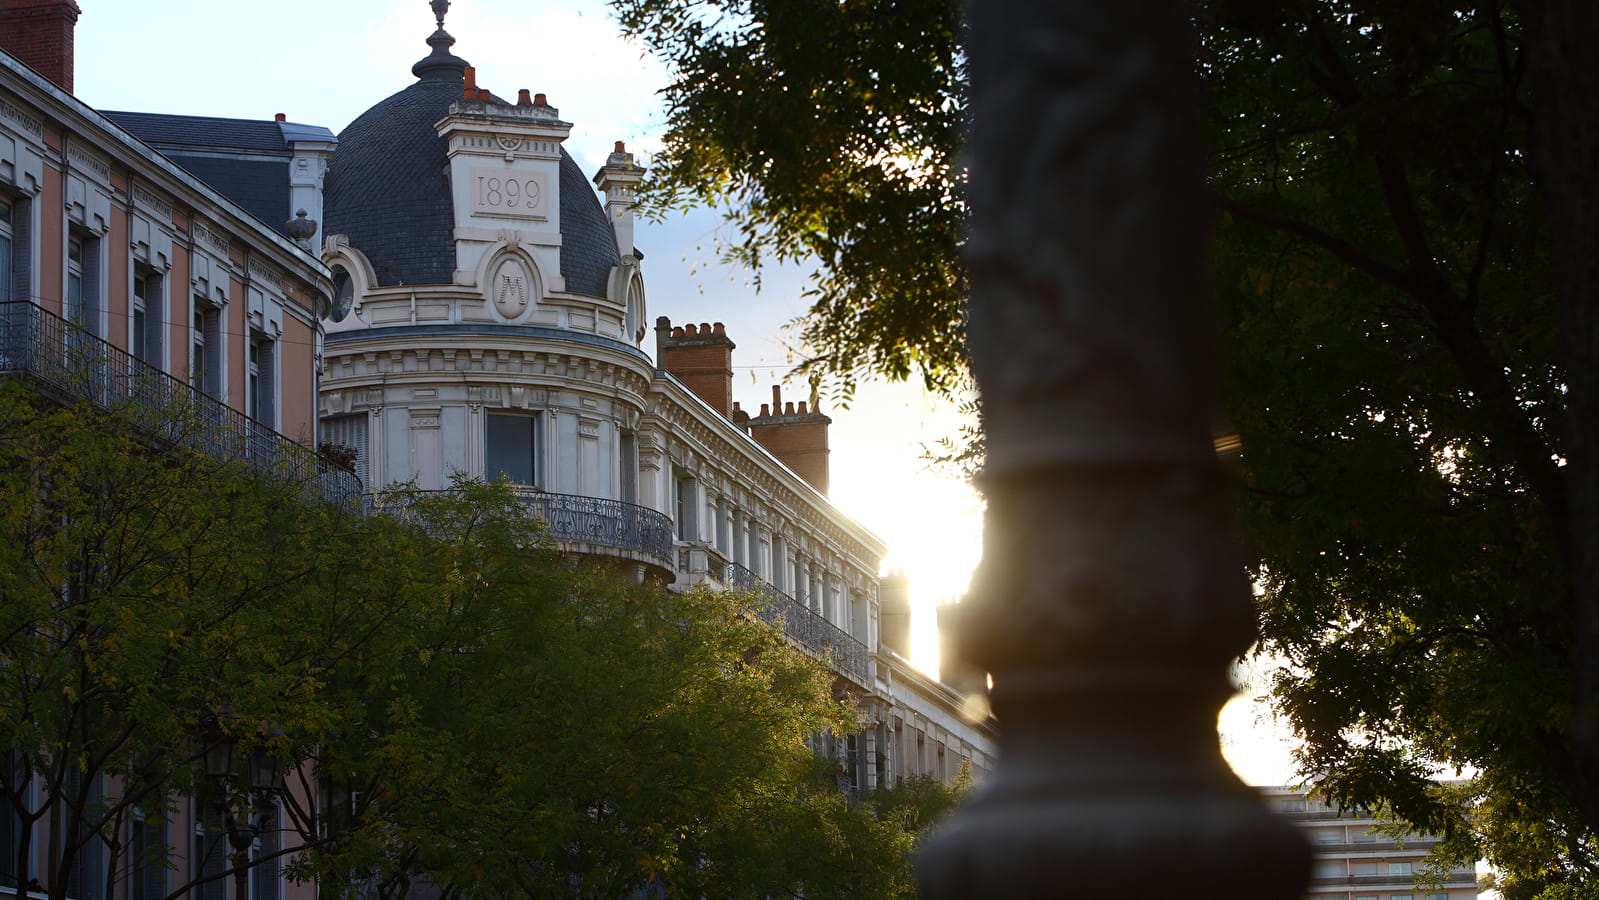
{"x": 491, "y": 324}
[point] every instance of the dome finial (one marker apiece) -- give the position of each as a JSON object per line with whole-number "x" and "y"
{"x": 440, "y": 64}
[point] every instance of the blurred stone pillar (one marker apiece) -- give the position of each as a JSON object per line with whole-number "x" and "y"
{"x": 1111, "y": 597}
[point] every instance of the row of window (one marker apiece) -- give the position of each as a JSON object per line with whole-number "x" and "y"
{"x": 82, "y": 306}
{"x": 742, "y": 540}
{"x": 148, "y": 868}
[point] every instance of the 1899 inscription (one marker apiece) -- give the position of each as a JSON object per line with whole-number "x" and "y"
{"x": 501, "y": 192}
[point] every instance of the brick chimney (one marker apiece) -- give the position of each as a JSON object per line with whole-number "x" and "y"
{"x": 953, "y": 668}
{"x": 894, "y": 610}
{"x": 39, "y": 34}
{"x": 796, "y": 436}
{"x": 700, "y": 356}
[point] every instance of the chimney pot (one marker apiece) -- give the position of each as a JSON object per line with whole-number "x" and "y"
{"x": 280, "y": 117}
{"x": 777, "y": 396}
{"x": 471, "y": 79}
{"x": 621, "y": 147}
{"x": 524, "y": 98}
{"x": 765, "y": 410}
{"x": 677, "y": 331}
{"x": 735, "y": 406}
{"x": 705, "y": 328}
{"x": 788, "y": 408}
{"x": 691, "y": 328}
{"x": 538, "y": 100}
{"x": 802, "y": 407}
{"x": 720, "y": 328}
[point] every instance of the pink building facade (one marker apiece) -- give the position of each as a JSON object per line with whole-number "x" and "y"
{"x": 123, "y": 275}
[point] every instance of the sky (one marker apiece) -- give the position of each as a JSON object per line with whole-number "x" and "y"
{"x": 325, "y": 63}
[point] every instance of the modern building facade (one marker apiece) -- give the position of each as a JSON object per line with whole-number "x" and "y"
{"x": 1354, "y": 862}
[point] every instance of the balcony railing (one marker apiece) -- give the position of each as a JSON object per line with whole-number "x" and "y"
{"x": 803, "y": 626}
{"x": 575, "y": 519}
{"x": 71, "y": 364}
{"x": 1456, "y": 879}
{"x": 1381, "y": 847}
{"x": 607, "y": 523}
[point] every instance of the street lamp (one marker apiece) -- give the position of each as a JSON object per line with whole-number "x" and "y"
{"x": 263, "y": 777}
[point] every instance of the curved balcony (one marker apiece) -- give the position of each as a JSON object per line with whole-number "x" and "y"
{"x": 71, "y": 365}
{"x": 575, "y": 519}
{"x": 579, "y": 524}
{"x": 802, "y": 625}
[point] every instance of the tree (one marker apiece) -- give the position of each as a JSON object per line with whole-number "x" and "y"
{"x": 454, "y": 704}
{"x": 155, "y": 602}
{"x": 561, "y": 732}
{"x": 1400, "y": 393}
{"x": 1411, "y": 427}
{"x": 829, "y": 132}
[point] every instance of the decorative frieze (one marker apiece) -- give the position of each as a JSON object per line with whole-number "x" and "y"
{"x": 22, "y": 119}
{"x": 261, "y": 269}
{"x": 83, "y": 159}
{"x": 212, "y": 239}
{"x": 144, "y": 198}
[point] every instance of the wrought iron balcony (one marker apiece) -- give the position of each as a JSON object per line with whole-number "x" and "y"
{"x": 802, "y": 625}
{"x": 573, "y": 519}
{"x": 70, "y": 364}
{"x": 606, "y": 523}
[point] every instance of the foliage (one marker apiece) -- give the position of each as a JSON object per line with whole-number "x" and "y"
{"x": 829, "y": 132}
{"x": 921, "y": 802}
{"x": 458, "y": 708}
{"x": 153, "y": 602}
{"x": 557, "y": 731}
{"x": 1398, "y": 391}
{"x": 1395, "y": 372}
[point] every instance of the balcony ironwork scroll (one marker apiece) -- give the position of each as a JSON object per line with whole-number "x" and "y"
{"x": 607, "y": 523}
{"x": 572, "y": 519}
{"x": 67, "y": 362}
{"x": 801, "y": 625}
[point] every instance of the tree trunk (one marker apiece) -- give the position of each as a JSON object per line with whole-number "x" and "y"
{"x": 1562, "y": 41}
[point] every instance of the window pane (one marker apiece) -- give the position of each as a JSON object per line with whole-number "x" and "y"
{"x": 508, "y": 450}
{"x": 5, "y": 264}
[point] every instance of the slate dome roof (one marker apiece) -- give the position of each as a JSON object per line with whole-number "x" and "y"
{"x": 387, "y": 188}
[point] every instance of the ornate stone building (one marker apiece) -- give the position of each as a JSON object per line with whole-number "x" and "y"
{"x": 490, "y": 320}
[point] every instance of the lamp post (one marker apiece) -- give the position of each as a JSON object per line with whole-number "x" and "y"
{"x": 1111, "y": 596}
{"x": 262, "y": 778}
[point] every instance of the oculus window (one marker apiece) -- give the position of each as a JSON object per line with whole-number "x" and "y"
{"x": 343, "y": 294}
